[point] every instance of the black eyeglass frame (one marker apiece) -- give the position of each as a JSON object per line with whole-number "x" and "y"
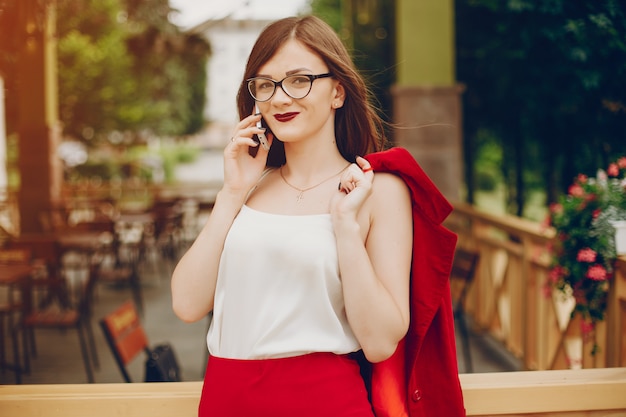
{"x": 277, "y": 84}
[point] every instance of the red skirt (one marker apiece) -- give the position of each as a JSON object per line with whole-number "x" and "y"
{"x": 313, "y": 385}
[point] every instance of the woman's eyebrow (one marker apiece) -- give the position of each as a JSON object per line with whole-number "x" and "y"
{"x": 290, "y": 72}
{"x": 297, "y": 70}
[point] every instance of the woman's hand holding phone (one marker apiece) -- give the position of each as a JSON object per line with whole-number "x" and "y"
{"x": 242, "y": 168}
{"x": 262, "y": 139}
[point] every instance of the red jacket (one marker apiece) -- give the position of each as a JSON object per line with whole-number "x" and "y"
{"x": 421, "y": 378}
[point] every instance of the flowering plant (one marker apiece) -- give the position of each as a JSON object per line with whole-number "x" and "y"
{"x": 583, "y": 252}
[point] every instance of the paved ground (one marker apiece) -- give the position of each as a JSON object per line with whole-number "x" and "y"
{"x": 59, "y": 360}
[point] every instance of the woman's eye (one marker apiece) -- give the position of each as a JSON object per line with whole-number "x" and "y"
{"x": 299, "y": 83}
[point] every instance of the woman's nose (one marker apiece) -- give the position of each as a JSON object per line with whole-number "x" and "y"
{"x": 280, "y": 96}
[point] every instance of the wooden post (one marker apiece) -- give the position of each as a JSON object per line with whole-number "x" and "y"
{"x": 616, "y": 317}
{"x": 4, "y": 182}
{"x": 38, "y": 126}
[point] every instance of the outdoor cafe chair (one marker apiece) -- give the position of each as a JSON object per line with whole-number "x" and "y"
{"x": 125, "y": 336}
{"x": 15, "y": 269}
{"x": 68, "y": 306}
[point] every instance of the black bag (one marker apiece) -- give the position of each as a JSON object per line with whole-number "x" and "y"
{"x": 162, "y": 366}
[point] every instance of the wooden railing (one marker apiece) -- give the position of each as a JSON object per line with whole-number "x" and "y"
{"x": 568, "y": 393}
{"x": 509, "y": 299}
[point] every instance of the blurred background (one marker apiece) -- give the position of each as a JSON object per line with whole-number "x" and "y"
{"x": 114, "y": 108}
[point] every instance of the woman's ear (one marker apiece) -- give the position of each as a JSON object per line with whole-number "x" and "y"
{"x": 339, "y": 96}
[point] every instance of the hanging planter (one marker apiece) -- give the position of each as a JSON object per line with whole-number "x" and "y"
{"x": 590, "y": 223}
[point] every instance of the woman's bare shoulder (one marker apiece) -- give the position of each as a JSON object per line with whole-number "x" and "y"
{"x": 388, "y": 185}
{"x": 390, "y": 194}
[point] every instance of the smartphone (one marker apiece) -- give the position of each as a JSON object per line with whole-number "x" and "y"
{"x": 261, "y": 136}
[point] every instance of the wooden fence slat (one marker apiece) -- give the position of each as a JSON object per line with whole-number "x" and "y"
{"x": 507, "y": 297}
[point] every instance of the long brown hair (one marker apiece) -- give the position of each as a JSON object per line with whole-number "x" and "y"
{"x": 359, "y": 129}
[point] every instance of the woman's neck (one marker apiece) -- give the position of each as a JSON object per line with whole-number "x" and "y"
{"x": 307, "y": 162}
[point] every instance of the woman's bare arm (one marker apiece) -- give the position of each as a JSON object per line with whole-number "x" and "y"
{"x": 195, "y": 276}
{"x": 375, "y": 249}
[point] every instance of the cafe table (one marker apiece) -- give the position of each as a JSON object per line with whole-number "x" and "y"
{"x": 83, "y": 241}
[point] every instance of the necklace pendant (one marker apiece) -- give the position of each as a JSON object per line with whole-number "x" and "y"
{"x": 301, "y": 191}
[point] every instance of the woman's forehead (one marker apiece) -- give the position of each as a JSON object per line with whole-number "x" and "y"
{"x": 292, "y": 56}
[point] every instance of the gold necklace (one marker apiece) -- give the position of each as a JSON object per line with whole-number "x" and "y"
{"x": 301, "y": 191}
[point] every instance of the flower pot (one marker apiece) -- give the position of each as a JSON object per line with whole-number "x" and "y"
{"x": 620, "y": 236}
{"x": 574, "y": 351}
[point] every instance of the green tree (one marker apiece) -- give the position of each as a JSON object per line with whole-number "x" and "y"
{"x": 170, "y": 67}
{"x": 124, "y": 69}
{"x": 331, "y": 11}
{"x": 366, "y": 28}
{"x": 95, "y": 90}
{"x": 547, "y": 79}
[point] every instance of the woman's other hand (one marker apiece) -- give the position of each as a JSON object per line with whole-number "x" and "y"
{"x": 355, "y": 187}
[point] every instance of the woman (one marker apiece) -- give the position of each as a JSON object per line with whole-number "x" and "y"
{"x": 306, "y": 257}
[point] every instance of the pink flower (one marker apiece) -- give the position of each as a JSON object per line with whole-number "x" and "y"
{"x": 556, "y": 273}
{"x": 597, "y": 273}
{"x": 556, "y": 208}
{"x": 576, "y": 190}
{"x": 596, "y": 213}
{"x": 579, "y": 296}
{"x": 586, "y": 327}
{"x": 582, "y": 179}
{"x": 586, "y": 255}
{"x": 622, "y": 162}
{"x": 613, "y": 170}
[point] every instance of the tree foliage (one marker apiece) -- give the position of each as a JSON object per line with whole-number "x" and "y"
{"x": 124, "y": 69}
{"x": 367, "y": 30}
{"x": 331, "y": 12}
{"x": 170, "y": 67}
{"x": 96, "y": 93}
{"x": 547, "y": 80}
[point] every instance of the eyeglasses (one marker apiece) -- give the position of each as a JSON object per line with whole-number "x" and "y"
{"x": 295, "y": 86}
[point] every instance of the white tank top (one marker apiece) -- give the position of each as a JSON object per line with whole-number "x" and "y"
{"x": 278, "y": 290}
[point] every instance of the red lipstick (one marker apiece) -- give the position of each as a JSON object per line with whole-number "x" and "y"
{"x": 285, "y": 117}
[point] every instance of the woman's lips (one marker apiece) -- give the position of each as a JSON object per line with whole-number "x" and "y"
{"x": 285, "y": 117}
